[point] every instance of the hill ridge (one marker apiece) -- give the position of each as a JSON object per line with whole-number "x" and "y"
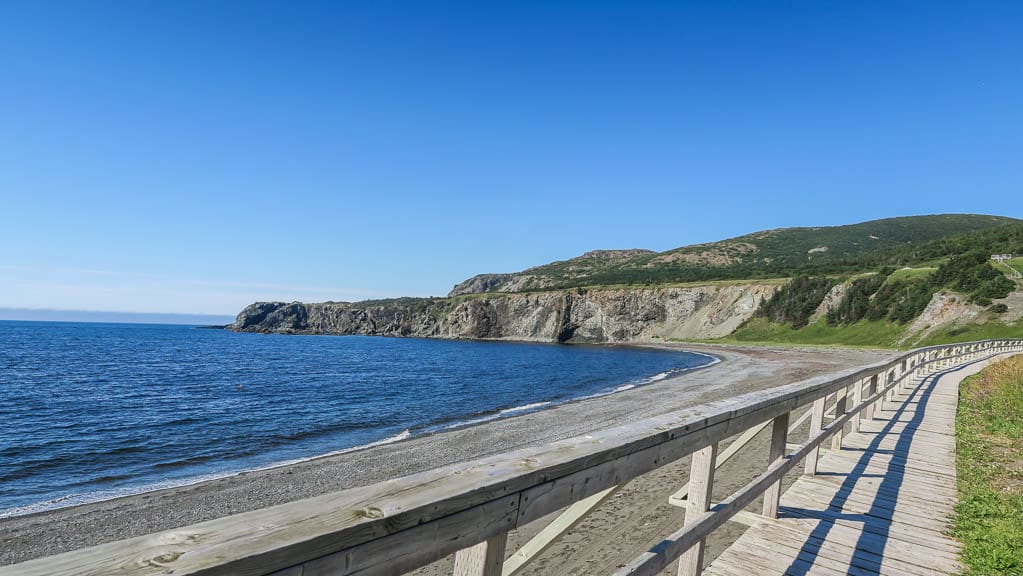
{"x": 773, "y": 253}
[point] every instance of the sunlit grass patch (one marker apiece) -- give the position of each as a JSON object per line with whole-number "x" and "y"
{"x": 989, "y": 438}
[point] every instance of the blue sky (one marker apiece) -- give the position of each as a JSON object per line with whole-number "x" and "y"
{"x": 196, "y": 156}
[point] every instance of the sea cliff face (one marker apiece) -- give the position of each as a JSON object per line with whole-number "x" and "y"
{"x": 604, "y": 315}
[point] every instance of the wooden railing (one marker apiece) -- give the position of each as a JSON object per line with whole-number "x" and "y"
{"x": 469, "y": 508}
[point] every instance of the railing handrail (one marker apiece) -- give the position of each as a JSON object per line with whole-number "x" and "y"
{"x": 696, "y": 529}
{"x": 407, "y": 522}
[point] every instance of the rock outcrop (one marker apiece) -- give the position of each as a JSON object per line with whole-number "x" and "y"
{"x": 540, "y": 278}
{"x": 831, "y": 300}
{"x": 580, "y": 315}
{"x": 950, "y": 310}
{"x": 500, "y": 283}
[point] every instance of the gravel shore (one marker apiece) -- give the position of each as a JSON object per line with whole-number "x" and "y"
{"x": 641, "y": 505}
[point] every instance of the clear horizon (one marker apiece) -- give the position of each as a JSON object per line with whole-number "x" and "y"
{"x": 194, "y": 158}
{"x": 110, "y": 316}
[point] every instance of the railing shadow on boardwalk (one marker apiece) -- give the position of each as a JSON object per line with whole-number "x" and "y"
{"x": 876, "y": 522}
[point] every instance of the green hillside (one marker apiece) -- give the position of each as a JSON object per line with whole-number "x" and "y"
{"x": 877, "y": 305}
{"x": 781, "y": 253}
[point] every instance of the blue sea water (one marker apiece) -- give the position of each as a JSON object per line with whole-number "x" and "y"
{"x": 91, "y": 411}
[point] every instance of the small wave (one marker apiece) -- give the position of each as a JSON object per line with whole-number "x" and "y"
{"x": 523, "y": 408}
{"x": 113, "y": 478}
{"x": 403, "y": 435}
{"x": 67, "y": 500}
{"x": 499, "y": 414}
{"x": 464, "y": 423}
{"x": 713, "y": 359}
{"x": 76, "y": 499}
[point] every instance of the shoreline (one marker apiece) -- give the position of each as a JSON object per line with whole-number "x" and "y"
{"x": 426, "y": 430}
{"x": 737, "y": 370}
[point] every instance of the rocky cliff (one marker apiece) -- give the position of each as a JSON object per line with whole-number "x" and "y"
{"x": 580, "y": 315}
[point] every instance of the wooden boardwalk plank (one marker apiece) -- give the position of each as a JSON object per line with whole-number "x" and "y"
{"x": 879, "y": 505}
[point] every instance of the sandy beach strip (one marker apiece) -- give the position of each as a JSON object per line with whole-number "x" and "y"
{"x": 635, "y": 518}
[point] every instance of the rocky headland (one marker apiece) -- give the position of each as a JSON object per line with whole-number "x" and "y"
{"x": 626, "y": 315}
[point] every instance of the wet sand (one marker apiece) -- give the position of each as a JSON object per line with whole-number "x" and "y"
{"x": 629, "y": 523}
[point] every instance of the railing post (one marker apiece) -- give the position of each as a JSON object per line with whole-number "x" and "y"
{"x": 701, "y": 483}
{"x": 902, "y": 368}
{"x": 816, "y": 424}
{"x": 854, "y": 424}
{"x": 779, "y": 436}
{"x": 841, "y": 402}
{"x": 889, "y": 394}
{"x": 868, "y": 412}
{"x": 483, "y": 559}
{"x": 907, "y": 378}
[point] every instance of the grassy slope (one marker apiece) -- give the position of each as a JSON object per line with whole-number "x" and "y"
{"x": 918, "y": 273}
{"x": 774, "y": 253}
{"x": 876, "y": 334}
{"x": 1017, "y": 264}
{"x": 989, "y": 437}
{"x": 792, "y": 245}
{"x": 879, "y": 334}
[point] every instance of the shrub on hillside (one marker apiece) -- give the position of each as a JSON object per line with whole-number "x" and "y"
{"x": 856, "y": 302}
{"x": 795, "y": 302}
{"x": 972, "y": 274}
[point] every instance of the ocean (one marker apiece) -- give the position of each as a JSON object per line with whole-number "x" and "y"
{"x": 94, "y": 411}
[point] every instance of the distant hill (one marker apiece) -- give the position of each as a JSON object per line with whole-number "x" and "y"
{"x": 784, "y": 252}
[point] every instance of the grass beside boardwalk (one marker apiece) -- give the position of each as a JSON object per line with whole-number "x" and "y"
{"x": 989, "y": 439}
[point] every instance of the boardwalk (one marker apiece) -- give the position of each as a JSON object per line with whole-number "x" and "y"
{"x": 877, "y": 506}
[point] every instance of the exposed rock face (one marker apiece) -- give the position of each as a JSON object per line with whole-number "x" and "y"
{"x": 535, "y": 279}
{"x": 944, "y": 309}
{"x": 1014, "y": 302}
{"x": 616, "y": 254}
{"x": 499, "y": 283}
{"x": 833, "y": 299}
{"x": 719, "y": 254}
{"x": 624, "y": 315}
{"x": 948, "y": 309}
